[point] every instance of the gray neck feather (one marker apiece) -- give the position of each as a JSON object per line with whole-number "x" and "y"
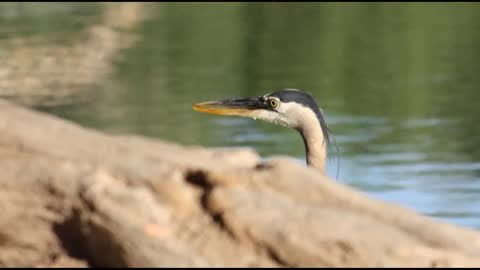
{"x": 315, "y": 144}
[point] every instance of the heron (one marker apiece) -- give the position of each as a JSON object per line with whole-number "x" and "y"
{"x": 291, "y": 108}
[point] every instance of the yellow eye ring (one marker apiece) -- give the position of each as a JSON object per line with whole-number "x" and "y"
{"x": 273, "y": 103}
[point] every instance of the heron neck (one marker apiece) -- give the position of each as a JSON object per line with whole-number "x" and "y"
{"x": 315, "y": 145}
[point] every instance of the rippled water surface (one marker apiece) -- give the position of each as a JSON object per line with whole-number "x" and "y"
{"x": 399, "y": 84}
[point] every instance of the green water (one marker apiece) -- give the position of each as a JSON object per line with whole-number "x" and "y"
{"x": 399, "y": 84}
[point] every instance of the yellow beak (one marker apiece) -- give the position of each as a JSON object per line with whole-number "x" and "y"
{"x": 238, "y": 107}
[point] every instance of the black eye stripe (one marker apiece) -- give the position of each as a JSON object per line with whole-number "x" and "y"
{"x": 307, "y": 100}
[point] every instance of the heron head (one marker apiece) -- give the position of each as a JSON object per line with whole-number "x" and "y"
{"x": 290, "y": 108}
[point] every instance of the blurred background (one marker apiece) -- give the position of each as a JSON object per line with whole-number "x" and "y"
{"x": 398, "y": 82}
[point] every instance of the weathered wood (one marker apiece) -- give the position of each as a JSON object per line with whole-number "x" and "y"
{"x": 71, "y": 196}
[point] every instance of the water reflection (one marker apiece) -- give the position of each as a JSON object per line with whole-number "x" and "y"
{"x": 398, "y": 84}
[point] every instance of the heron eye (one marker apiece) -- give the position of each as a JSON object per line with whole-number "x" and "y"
{"x": 273, "y": 103}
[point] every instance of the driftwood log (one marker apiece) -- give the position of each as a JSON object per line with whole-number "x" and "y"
{"x": 71, "y": 196}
